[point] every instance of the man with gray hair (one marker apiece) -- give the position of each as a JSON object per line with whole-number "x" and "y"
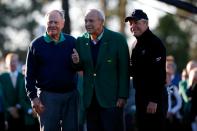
{"x": 103, "y": 56}
{"x": 50, "y": 71}
{"x": 148, "y": 61}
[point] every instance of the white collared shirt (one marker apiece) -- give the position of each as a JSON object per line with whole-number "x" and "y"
{"x": 13, "y": 76}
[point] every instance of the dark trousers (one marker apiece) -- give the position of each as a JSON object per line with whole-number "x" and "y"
{"x": 147, "y": 121}
{"x": 104, "y": 119}
{"x": 173, "y": 124}
{"x": 150, "y": 122}
{"x": 33, "y": 127}
{"x": 16, "y": 124}
{"x": 61, "y": 111}
{"x": 2, "y": 121}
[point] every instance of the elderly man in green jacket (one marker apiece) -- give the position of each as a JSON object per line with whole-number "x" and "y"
{"x": 103, "y": 56}
{"x": 2, "y": 110}
{"x": 12, "y": 82}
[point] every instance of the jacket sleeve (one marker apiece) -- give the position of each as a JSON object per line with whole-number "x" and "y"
{"x": 30, "y": 79}
{"x": 78, "y": 66}
{"x": 24, "y": 100}
{"x": 158, "y": 72}
{"x": 123, "y": 68}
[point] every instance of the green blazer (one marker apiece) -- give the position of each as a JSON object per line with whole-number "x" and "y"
{"x": 11, "y": 94}
{"x": 16, "y": 95}
{"x": 2, "y": 99}
{"x": 110, "y": 77}
{"x": 26, "y": 106}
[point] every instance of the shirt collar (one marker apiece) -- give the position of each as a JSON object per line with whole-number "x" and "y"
{"x": 48, "y": 39}
{"x": 15, "y": 73}
{"x": 99, "y": 37}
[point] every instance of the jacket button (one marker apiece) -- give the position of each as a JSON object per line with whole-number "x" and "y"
{"x": 94, "y": 74}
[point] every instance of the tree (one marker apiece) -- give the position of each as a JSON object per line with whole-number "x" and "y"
{"x": 175, "y": 40}
{"x": 187, "y": 21}
{"x": 185, "y": 18}
{"x": 122, "y": 14}
{"x": 118, "y": 11}
{"x": 17, "y": 25}
{"x": 65, "y": 6}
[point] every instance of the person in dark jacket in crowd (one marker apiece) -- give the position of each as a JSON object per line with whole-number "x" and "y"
{"x": 147, "y": 68}
{"x": 49, "y": 71}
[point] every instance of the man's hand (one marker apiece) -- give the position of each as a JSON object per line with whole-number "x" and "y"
{"x": 75, "y": 56}
{"x": 37, "y": 105}
{"x": 14, "y": 112}
{"x": 151, "y": 108}
{"x": 120, "y": 103}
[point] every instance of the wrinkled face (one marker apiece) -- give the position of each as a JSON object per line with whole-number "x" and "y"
{"x": 54, "y": 25}
{"x": 93, "y": 24}
{"x": 138, "y": 27}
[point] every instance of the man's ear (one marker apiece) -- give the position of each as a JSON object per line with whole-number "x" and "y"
{"x": 63, "y": 22}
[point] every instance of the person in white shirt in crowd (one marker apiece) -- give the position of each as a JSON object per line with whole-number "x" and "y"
{"x": 174, "y": 101}
{"x": 175, "y": 76}
{"x": 12, "y": 84}
{"x": 183, "y": 88}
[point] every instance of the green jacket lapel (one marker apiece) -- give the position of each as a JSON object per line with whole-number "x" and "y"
{"x": 103, "y": 48}
{"x": 87, "y": 49}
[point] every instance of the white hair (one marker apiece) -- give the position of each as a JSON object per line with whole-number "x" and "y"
{"x": 99, "y": 13}
{"x": 61, "y": 12}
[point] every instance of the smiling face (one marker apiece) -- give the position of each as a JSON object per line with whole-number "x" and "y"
{"x": 93, "y": 23}
{"x": 54, "y": 24}
{"x": 138, "y": 27}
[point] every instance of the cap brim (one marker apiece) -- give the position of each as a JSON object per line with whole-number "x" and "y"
{"x": 130, "y": 18}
